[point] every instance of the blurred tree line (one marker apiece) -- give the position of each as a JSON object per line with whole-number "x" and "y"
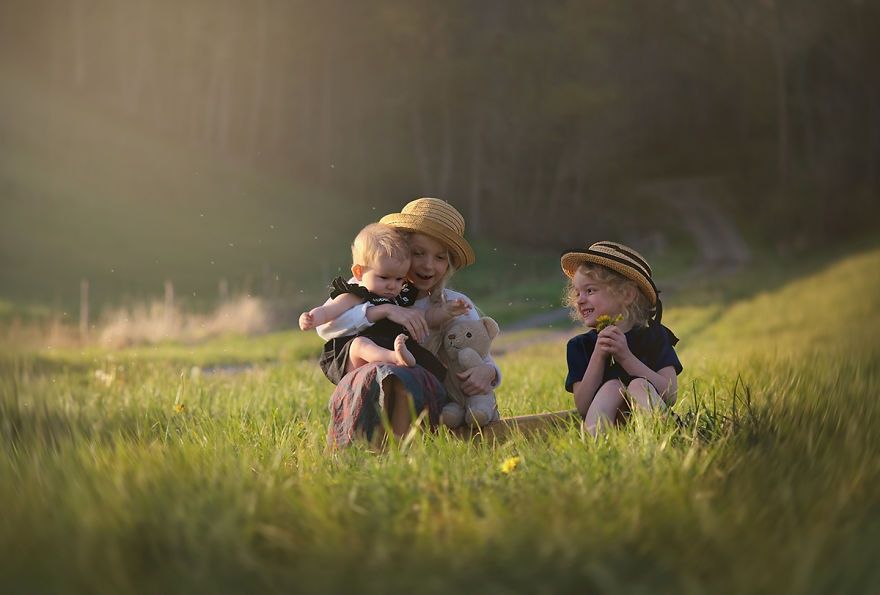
{"x": 538, "y": 119}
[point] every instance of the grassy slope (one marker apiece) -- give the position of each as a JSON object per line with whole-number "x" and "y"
{"x": 107, "y": 487}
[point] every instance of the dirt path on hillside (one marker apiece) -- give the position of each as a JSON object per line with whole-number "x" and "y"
{"x": 722, "y": 251}
{"x": 697, "y": 201}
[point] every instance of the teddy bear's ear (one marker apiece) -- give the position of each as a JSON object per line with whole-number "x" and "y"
{"x": 491, "y": 326}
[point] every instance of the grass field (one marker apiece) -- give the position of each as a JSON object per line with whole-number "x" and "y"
{"x": 152, "y": 470}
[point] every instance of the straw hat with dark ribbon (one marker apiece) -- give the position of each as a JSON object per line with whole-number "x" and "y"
{"x": 438, "y": 219}
{"x": 621, "y": 259}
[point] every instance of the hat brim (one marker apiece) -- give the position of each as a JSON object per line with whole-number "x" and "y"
{"x": 572, "y": 259}
{"x": 461, "y": 251}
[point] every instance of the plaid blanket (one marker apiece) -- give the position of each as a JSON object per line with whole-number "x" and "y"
{"x": 356, "y": 404}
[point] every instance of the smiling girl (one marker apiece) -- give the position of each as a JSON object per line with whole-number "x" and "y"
{"x": 629, "y": 362}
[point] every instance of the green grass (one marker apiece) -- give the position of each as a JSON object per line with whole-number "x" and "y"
{"x": 771, "y": 485}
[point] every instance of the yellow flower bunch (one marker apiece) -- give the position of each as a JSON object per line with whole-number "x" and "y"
{"x": 604, "y": 321}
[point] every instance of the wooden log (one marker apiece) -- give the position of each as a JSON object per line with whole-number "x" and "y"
{"x": 525, "y": 424}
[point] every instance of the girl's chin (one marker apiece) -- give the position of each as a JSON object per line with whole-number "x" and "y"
{"x": 423, "y": 285}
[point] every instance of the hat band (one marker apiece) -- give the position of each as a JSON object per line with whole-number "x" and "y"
{"x": 633, "y": 255}
{"x": 624, "y": 262}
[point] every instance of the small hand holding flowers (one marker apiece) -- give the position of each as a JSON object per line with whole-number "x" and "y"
{"x": 604, "y": 321}
{"x": 611, "y": 339}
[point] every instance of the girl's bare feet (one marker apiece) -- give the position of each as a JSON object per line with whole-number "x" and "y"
{"x": 404, "y": 355}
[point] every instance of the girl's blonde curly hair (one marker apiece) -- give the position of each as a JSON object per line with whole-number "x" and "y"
{"x": 638, "y": 311}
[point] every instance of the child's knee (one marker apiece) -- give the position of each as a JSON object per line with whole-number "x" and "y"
{"x": 612, "y": 387}
{"x": 360, "y": 344}
{"x": 640, "y": 386}
{"x": 644, "y": 394}
{"x": 356, "y": 343}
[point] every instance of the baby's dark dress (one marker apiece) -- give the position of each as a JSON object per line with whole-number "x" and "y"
{"x": 334, "y": 359}
{"x": 653, "y": 345}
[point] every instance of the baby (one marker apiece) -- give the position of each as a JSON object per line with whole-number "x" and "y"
{"x": 381, "y": 258}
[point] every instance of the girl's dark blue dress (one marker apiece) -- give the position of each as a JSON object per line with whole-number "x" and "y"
{"x": 652, "y": 345}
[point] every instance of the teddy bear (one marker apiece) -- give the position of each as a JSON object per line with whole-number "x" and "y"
{"x": 465, "y": 345}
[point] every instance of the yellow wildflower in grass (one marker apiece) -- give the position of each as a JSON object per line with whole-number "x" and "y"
{"x": 179, "y": 408}
{"x": 509, "y": 465}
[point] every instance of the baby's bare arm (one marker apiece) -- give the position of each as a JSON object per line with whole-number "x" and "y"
{"x": 326, "y": 313}
{"x": 439, "y": 314}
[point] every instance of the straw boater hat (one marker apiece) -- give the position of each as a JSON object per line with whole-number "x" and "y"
{"x": 621, "y": 259}
{"x": 438, "y": 219}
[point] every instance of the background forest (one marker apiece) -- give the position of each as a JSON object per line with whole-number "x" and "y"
{"x": 198, "y": 140}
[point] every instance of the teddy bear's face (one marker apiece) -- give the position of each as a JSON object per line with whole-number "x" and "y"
{"x": 476, "y": 334}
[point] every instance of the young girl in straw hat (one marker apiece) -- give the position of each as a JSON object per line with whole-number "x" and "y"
{"x": 435, "y": 232}
{"x": 627, "y": 357}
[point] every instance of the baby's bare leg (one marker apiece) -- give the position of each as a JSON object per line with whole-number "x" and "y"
{"x": 363, "y": 351}
{"x": 602, "y": 411}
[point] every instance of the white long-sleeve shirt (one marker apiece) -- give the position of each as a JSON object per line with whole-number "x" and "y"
{"x": 354, "y": 320}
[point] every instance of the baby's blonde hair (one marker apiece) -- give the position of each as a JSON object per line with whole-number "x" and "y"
{"x": 377, "y": 240}
{"x": 638, "y": 311}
